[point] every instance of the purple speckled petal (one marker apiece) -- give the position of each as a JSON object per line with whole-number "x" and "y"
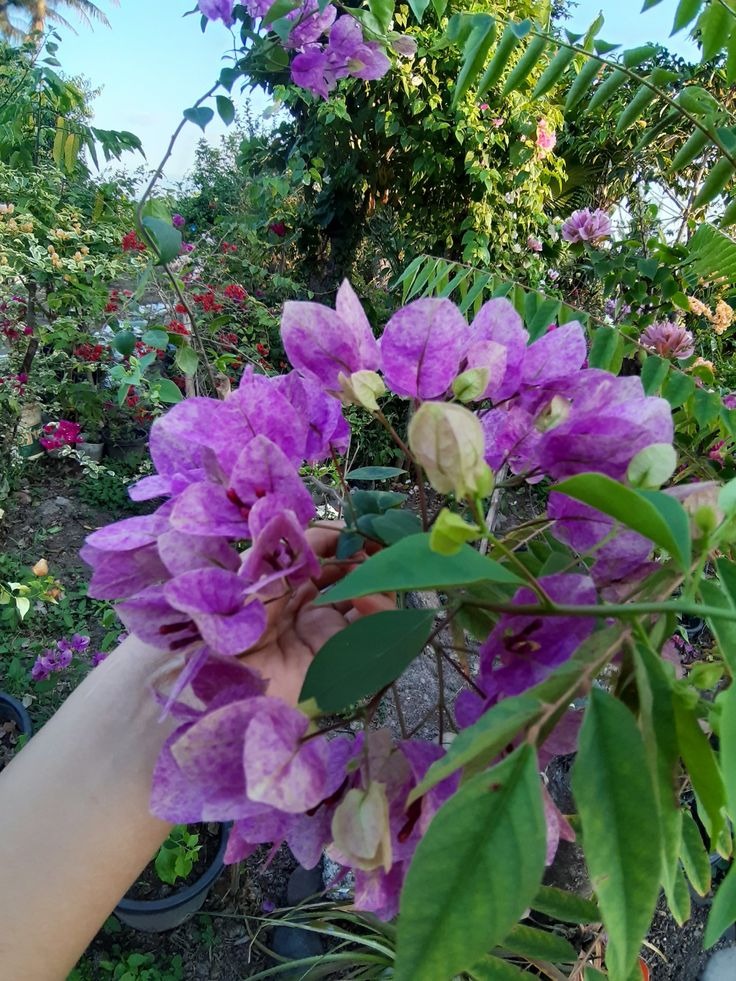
{"x": 119, "y": 574}
{"x": 128, "y": 534}
{"x": 280, "y": 551}
{"x": 378, "y": 891}
{"x": 350, "y": 310}
{"x": 262, "y": 469}
{"x": 183, "y": 553}
{"x": 556, "y": 355}
{"x": 422, "y": 348}
{"x": 204, "y": 509}
{"x": 178, "y": 436}
{"x": 320, "y": 413}
{"x": 174, "y": 797}
{"x": 280, "y": 769}
{"x": 152, "y": 618}
{"x": 497, "y": 321}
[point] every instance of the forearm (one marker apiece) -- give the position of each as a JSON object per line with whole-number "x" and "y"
{"x": 75, "y": 829}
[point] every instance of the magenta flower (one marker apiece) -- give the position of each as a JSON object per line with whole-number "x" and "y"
{"x": 319, "y": 413}
{"x": 422, "y": 348}
{"x": 669, "y": 340}
{"x": 41, "y": 669}
{"x": 498, "y": 342}
{"x": 319, "y": 68}
{"x": 533, "y": 244}
{"x": 323, "y": 343}
{"x": 79, "y": 643}
{"x": 98, "y": 657}
{"x": 311, "y": 70}
{"x": 178, "y": 221}
{"x": 218, "y": 10}
{"x": 310, "y": 23}
{"x": 729, "y": 401}
{"x": 585, "y": 225}
{"x": 280, "y": 555}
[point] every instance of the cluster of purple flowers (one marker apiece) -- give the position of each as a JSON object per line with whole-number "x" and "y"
{"x": 319, "y": 63}
{"x": 229, "y": 471}
{"x": 585, "y": 225}
{"x": 58, "y": 658}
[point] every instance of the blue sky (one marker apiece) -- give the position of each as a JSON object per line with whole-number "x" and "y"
{"x": 154, "y": 62}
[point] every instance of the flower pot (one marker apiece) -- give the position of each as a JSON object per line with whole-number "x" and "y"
{"x": 157, "y": 915}
{"x": 30, "y": 427}
{"x": 118, "y": 449}
{"x": 93, "y": 451}
{"x": 11, "y": 710}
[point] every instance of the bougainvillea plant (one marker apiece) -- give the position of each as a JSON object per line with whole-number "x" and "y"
{"x": 574, "y": 607}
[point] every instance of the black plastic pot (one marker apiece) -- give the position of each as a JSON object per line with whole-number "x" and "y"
{"x": 158, "y": 915}
{"x": 119, "y": 449}
{"x": 11, "y": 710}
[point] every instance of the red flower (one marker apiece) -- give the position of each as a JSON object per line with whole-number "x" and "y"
{"x": 278, "y": 228}
{"x": 180, "y": 308}
{"x": 228, "y": 247}
{"x": 131, "y": 243}
{"x": 90, "y": 352}
{"x": 208, "y": 302}
{"x": 262, "y": 350}
{"x": 235, "y": 292}
{"x": 177, "y": 327}
{"x": 228, "y": 340}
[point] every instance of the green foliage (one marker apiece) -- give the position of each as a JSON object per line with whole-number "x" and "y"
{"x": 175, "y": 859}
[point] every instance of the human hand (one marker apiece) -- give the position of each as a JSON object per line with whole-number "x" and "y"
{"x": 297, "y": 629}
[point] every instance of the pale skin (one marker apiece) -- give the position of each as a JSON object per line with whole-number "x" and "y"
{"x": 75, "y": 828}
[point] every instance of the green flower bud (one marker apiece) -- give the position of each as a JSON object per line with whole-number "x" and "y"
{"x": 448, "y": 442}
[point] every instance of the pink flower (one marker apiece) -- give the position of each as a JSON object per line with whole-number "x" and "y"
{"x": 498, "y": 121}
{"x": 586, "y": 226}
{"x": 533, "y": 244}
{"x": 546, "y": 138}
{"x": 669, "y": 340}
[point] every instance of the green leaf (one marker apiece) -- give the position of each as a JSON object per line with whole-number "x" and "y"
{"x": 687, "y": 11}
{"x": 156, "y": 338}
{"x": 124, "y": 343}
{"x": 475, "y": 52}
{"x": 226, "y": 109}
{"x": 701, "y": 764}
{"x": 621, "y": 837}
{"x": 690, "y": 150}
{"x": 200, "y": 115}
{"x": 715, "y": 182}
{"x": 607, "y": 88}
{"x": 553, "y": 71}
{"x": 365, "y": 657}
{"x": 649, "y": 512}
{"x": 525, "y": 65}
{"x": 727, "y": 742}
{"x": 715, "y": 26}
{"x": 607, "y": 350}
{"x": 678, "y": 388}
{"x": 168, "y": 392}
{"x": 411, "y": 564}
{"x": 678, "y": 898}
{"x": 657, "y": 721}
{"x": 166, "y": 238}
{"x": 509, "y": 40}
{"x": 390, "y": 527}
{"x": 418, "y": 7}
{"x": 653, "y": 373}
{"x": 723, "y": 911}
{"x": 374, "y": 473}
{"x": 486, "y": 737}
{"x": 694, "y": 855}
{"x": 186, "y": 359}
{"x": 494, "y": 969}
{"x": 383, "y": 11}
{"x": 474, "y": 872}
{"x": 582, "y": 83}
{"x": 535, "y": 944}
{"x": 228, "y": 78}
{"x": 566, "y": 906}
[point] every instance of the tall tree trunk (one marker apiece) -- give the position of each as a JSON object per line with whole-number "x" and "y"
{"x": 39, "y": 15}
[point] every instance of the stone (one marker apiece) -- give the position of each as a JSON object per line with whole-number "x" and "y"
{"x": 303, "y": 884}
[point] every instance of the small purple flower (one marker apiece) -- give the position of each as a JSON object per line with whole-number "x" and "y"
{"x": 218, "y": 10}
{"x": 669, "y": 340}
{"x": 98, "y": 658}
{"x": 729, "y": 401}
{"x": 178, "y": 221}
{"x": 79, "y": 643}
{"x": 41, "y": 670}
{"x": 533, "y": 244}
{"x": 587, "y": 226}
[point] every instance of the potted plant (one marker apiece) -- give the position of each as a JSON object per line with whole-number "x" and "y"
{"x": 15, "y": 723}
{"x": 175, "y": 884}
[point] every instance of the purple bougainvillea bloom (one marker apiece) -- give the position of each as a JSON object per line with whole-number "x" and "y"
{"x": 323, "y": 343}
{"x": 41, "y": 669}
{"x": 422, "y": 347}
{"x": 311, "y": 70}
{"x": 218, "y": 10}
{"x": 555, "y": 356}
{"x": 178, "y": 221}
{"x": 310, "y": 23}
{"x": 319, "y": 413}
{"x": 350, "y": 55}
{"x": 729, "y": 401}
{"x": 669, "y": 340}
{"x": 184, "y": 553}
{"x": 124, "y": 557}
{"x": 98, "y": 657}
{"x": 262, "y": 474}
{"x": 587, "y": 226}
{"x": 216, "y": 601}
{"x": 79, "y": 643}
{"x": 498, "y": 342}
{"x": 154, "y": 620}
{"x": 523, "y": 650}
{"x": 610, "y": 420}
{"x": 621, "y": 558}
{"x": 280, "y": 553}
